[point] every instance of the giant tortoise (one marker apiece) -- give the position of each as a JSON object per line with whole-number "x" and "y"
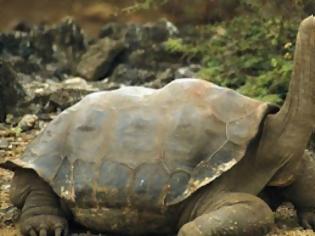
{"x": 190, "y": 158}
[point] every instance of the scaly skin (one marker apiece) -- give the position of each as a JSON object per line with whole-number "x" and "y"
{"x": 302, "y": 192}
{"x": 41, "y": 210}
{"x": 231, "y": 214}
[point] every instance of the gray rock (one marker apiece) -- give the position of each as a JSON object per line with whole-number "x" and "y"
{"x": 139, "y": 36}
{"x": 113, "y": 30}
{"x": 9, "y": 215}
{"x": 96, "y": 63}
{"x": 42, "y": 60}
{"x": 162, "y": 79}
{"x": 187, "y": 72}
{"x": 51, "y": 96}
{"x": 11, "y": 91}
{"x": 127, "y": 75}
{"x": 142, "y": 35}
{"x": 27, "y": 122}
{"x": 4, "y": 143}
{"x": 31, "y": 50}
{"x": 40, "y": 95}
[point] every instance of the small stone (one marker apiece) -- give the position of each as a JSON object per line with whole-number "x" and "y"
{"x": 2, "y": 153}
{"x": 9, "y": 215}
{"x": 27, "y": 122}
{"x": 4, "y": 144}
{"x": 78, "y": 84}
{"x": 187, "y": 72}
{"x": 9, "y": 119}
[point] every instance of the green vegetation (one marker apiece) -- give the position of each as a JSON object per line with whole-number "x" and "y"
{"x": 250, "y": 54}
{"x": 251, "y": 51}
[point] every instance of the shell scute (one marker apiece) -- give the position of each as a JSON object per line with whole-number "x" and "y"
{"x": 112, "y": 189}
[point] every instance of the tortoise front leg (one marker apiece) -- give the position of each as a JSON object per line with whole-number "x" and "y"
{"x": 41, "y": 209}
{"x": 231, "y": 214}
{"x": 302, "y": 191}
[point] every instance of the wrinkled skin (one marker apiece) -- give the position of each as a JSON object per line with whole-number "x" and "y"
{"x": 42, "y": 211}
{"x": 302, "y": 191}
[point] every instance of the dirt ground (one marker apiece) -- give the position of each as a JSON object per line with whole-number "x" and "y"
{"x": 12, "y": 144}
{"x": 93, "y": 14}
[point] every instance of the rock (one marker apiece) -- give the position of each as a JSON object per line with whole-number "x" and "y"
{"x": 187, "y": 72}
{"x": 9, "y": 215}
{"x": 4, "y": 144}
{"x": 77, "y": 83}
{"x": 51, "y": 96}
{"x": 30, "y": 49}
{"x": 96, "y": 63}
{"x": 42, "y": 95}
{"x": 10, "y": 119}
{"x": 22, "y": 26}
{"x": 70, "y": 36}
{"x": 42, "y": 62}
{"x": 136, "y": 35}
{"x": 11, "y": 91}
{"x": 285, "y": 216}
{"x": 127, "y": 75}
{"x": 21, "y": 65}
{"x": 113, "y": 30}
{"x": 70, "y": 92}
{"x": 27, "y": 122}
{"x": 64, "y": 98}
{"x": 162, "y": 79}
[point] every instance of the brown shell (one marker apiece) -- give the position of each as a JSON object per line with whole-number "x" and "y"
{"x": 143, "y": 147}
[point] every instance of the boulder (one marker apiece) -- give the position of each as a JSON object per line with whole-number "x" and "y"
{"x": 44, "y": 50}
{"x": 97, "y": 62}
{"x": 127, "y": 75}
{"x": 11, "y": 91}
{"x": 52, "y": 96}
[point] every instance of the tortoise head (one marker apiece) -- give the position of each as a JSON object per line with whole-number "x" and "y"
{"x": 285, "y": 134}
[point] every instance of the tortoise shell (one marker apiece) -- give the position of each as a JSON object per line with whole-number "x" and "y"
{"x": 144, "y": 148}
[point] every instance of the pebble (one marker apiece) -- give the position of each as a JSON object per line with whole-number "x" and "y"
{"x": 27, "y": 122}
{"x": 4, "y": 143}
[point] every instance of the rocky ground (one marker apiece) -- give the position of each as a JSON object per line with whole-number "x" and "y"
{"x": 45, "y": 69}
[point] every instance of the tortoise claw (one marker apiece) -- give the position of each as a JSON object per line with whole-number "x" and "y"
{"x": 58, "y": 231}
{"x": 32, "y": 232}
{"x": 44, "y": 225}
{"x": 43, "y": 232}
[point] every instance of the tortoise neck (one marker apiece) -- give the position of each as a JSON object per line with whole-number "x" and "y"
{"x": 289, "y": 130}
{"x": 299, "y": 106}
{"x": 296, "y": 117}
